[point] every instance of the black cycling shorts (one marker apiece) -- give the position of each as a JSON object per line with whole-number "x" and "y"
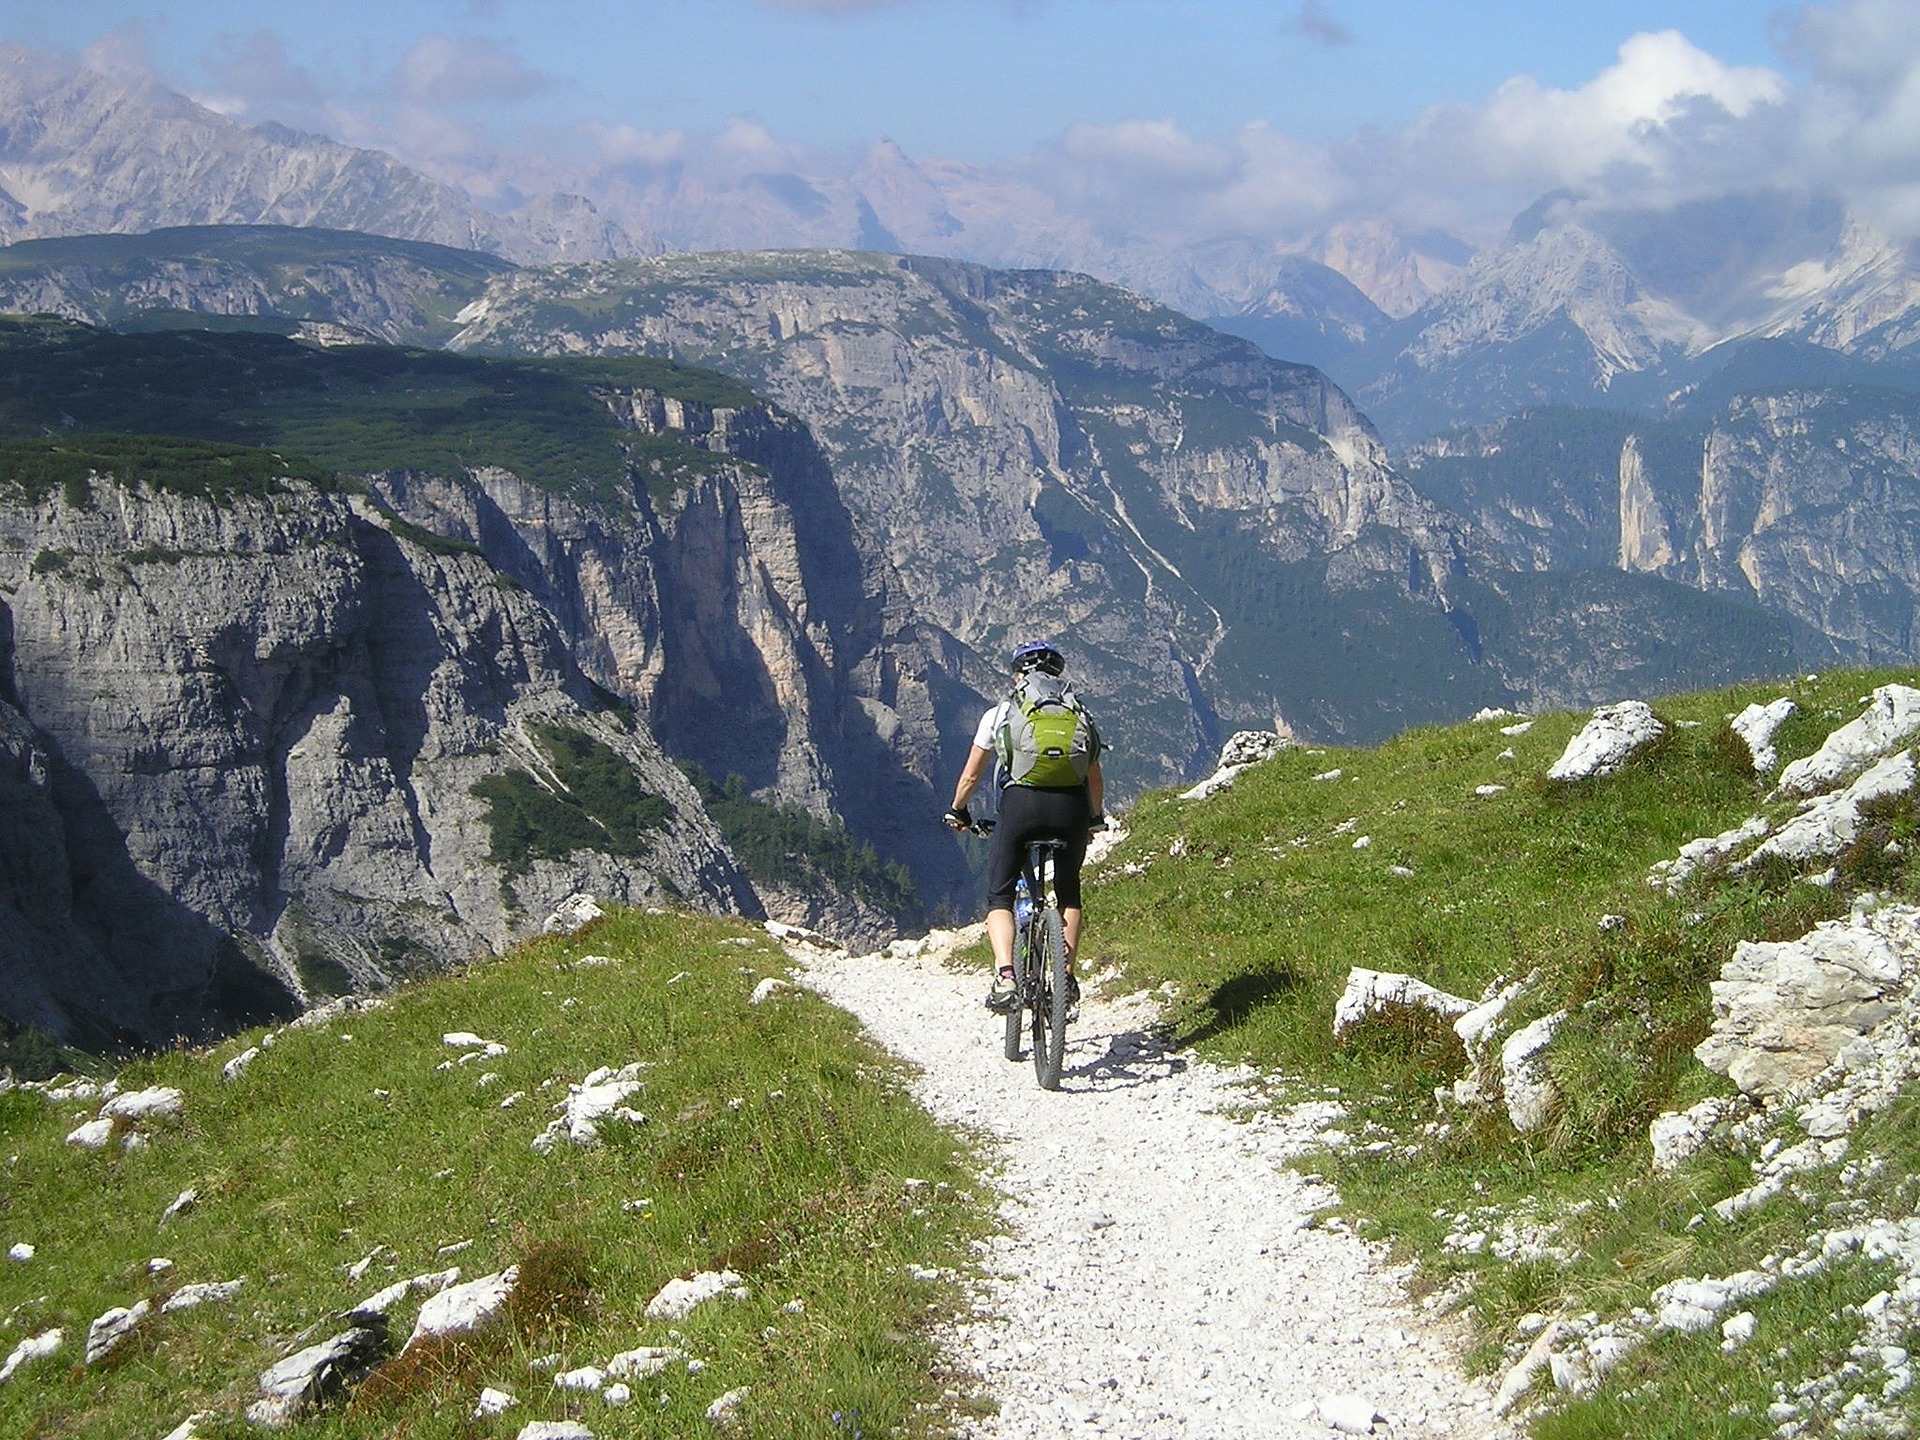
{"x": 1028, "y": 814}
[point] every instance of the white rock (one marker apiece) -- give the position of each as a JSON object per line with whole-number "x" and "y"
{"x": 1783, "y": 1010}
{"x": 493, "y": 1402}
{"x": 587, "y": 1377}
{"x": 1250, "y": 747}
{"x": 1489, "y": 790}
{"x": 1520, "y": 729}
{"x": 724, "y": 1411}
{"x": 617, "y": 1394}
{"x": 189, "y": 1428}
{"x": 1607, "y": 740}
{"x": 554, "y": 1430}
{"x": 678, "y": 1296}
{"x": 1371, "y": 991}
{"x": 1677, "y": 1136}
{"x": 573, "y": 913}
{"x": 232, "y": 1069}
{"x": 1349, "y": 1414}
{"x": 595, "y": 1099}
{"x": 1756, "y": 724}
{"x": 108, "y": 1330}
{"x": 461, "y": 1308}
{"x": 1671, "y": 875}
{"x": 93, "y": 1135}
{"x": 642, "y": 1363}
{"x": 1530, "y": 1094}
{"x": 767, "y": 989}
{"x": 21, "y": 1252}
{"x": 1827, "y": 824}
{"x": 1738, "y": 1331}
{"x": 1221, "y": 779}
{"x": 156, "y": 1102}
{"x": 381, "y": 1301}
{"x": 34, "y": 1347}
{"x": 1571, "y": 1373}
{"x": 1891, "y": 718}
{"x": 188, "y": 1296}
{"x": 182, "y": 1203}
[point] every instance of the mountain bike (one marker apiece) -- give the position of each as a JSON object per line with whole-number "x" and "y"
{"x": 1040, "y": 980}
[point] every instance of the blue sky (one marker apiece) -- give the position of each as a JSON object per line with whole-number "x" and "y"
{"x": 968, "y": 79}
{"x": 1235, "y": 116}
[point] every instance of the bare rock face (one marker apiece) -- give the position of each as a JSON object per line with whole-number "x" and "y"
{"x": 1037, "y": 453}
{"x": 1784, "y": 1010}
{"x": 738, "y": 609}
{"x": 247, "y": 740}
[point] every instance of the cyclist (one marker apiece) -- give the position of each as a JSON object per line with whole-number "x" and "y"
{"x": 1028, "y": 812}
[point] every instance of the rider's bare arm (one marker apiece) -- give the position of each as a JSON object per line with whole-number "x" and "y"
{"x": 970, "y": 777}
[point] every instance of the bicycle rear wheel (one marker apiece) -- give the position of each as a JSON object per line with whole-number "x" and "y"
{"x": 1022, "y": 961}
{"x": 1050, "y": 1002}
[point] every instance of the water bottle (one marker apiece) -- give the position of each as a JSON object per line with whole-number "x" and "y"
{"x": 1022, "y": 902}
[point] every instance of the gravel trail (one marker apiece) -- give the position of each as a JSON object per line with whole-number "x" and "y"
{"x": 1161, "y": 1277}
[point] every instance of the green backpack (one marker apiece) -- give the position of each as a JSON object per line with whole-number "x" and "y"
{"x": 1048, "y": 740}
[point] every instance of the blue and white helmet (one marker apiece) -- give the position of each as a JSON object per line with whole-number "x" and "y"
{"x": 1039, "y": 655}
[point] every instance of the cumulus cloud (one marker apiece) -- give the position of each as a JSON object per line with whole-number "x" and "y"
{"x": 464, "y": 70}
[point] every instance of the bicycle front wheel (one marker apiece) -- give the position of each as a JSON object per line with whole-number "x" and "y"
{"x": 1022, "y": 962}
{"x": 1050, "y": 1002}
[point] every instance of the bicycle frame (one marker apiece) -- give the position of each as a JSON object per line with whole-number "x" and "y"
{"x": 1040, "y": 979}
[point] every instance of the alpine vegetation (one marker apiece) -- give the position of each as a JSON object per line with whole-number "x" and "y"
{"x": 1621, "y": 1015}
{"x": 591, "y": 1187}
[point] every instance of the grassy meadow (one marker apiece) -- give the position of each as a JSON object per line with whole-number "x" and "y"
{"x": 1247, "y": 910}
{"x": 776, "y": 1144}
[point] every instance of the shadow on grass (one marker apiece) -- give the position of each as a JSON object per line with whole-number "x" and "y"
{"x": 1230, "y": 1005}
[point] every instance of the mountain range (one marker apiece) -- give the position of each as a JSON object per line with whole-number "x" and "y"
{"x": 1579, "y": 304}
{"x": 785, "y": 510}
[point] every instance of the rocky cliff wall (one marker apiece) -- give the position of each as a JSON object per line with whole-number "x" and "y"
{"x": 735, "y": 606}
{"x": 1036, "y": 453}
{"x": 260, "y": 722}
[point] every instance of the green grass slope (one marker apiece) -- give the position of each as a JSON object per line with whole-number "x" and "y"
{"x": 776, "y": 1144}
{"x": 70, "y": 394}
{"x": 1249, "y": 908}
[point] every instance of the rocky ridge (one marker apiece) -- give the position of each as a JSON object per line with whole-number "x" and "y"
{"x": 1034, "y": 451}
{"x": 243, "y": 740}
{"x": 734, "y": 605}
{"x": 1795, "y": 500}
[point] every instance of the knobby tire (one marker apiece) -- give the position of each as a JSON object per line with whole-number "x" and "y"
{"x": 1022, "y": 948}
{"x": 1050, "y": 1002}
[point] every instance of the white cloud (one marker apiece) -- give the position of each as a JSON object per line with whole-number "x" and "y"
{"x": 463, "y": 70}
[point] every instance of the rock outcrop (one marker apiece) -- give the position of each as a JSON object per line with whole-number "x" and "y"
{"x": 260, "y": 749}
{"x": 1034, "y": 452}
{"x": 734, "y": 605}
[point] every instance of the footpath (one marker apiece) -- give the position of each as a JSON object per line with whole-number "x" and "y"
{"x": 1160, "y": 1277}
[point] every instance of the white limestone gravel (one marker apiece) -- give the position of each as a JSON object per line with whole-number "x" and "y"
{"x": 1161, "y": 1276}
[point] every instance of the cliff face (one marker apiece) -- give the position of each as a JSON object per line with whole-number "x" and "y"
{"x": 1039, "y": 453}
{"x": 1797, "y": 501}
{"x": 734, "y": 606}
{"x": 250, "y": 743}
